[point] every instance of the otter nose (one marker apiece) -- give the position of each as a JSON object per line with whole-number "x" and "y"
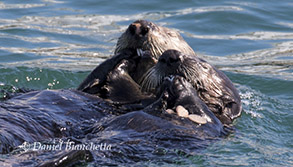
{"x": 170, "y": 57}
{"x": 138, "y": 29}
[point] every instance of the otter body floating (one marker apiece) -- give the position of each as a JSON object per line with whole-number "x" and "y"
{"x": 214, "y": 88}
{"x": 153, "y": 53}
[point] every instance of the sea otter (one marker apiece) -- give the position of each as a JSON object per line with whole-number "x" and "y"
{"x": 141, "y": 36}
{"x": 143, "y": 44}
{"x": 38, "y": 116}
{"x": 212, "y": 85}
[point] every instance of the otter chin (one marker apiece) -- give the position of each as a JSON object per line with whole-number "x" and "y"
{"x": 214, "y": 88}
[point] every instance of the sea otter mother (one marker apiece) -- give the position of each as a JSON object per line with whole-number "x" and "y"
{"x": 51, "y": 117}
{"x": 119, "y": 75}
{"x": 42, "y": 115}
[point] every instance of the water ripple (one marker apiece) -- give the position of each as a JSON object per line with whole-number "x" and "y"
{"x": 261, "y": 35}
{"x": 207, "y": 9}
{"x": 19, "y": 6}
{"x": 53, "y": 44}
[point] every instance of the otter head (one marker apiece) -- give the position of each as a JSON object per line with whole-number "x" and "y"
{"x": 171, "y": 62}
{"x": 148, "y": 36}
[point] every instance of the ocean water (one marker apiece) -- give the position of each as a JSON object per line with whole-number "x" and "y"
{"x": 53, "y": 44}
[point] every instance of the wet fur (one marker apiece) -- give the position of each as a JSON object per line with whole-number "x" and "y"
{"x": 96, "y": 79}
{"x": 120, "y": 87}
{"x": 157, "y": 40}
{"x": 212, "y": 85}
{"x": 42, "y": 115}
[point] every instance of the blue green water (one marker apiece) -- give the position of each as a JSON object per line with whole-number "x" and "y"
{"x": 54, "y": 44}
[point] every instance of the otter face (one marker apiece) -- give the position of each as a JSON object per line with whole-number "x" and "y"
{"x": 147, "y": 36}
{"x": 171, "y": 62}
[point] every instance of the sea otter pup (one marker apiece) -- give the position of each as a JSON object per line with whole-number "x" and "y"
{"x": 212, "y": 85}
{"x": 141, "y": 36}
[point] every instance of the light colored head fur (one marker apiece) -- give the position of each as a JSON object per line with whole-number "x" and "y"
{"x": 155, "y": 39}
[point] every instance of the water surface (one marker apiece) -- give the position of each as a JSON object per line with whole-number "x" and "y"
{"x": 54, "y": 44}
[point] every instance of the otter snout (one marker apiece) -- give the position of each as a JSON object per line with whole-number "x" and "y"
{"x": 139, "y": 28}
{"x": 170, "y": 57}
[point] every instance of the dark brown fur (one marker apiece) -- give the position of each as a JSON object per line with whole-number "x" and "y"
{"x": 140, "y": 35}
{"x": 212, "y": 85}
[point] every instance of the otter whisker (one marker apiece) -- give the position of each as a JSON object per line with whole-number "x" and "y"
{"x": 152, "y": 79}
{"x": 186, "y": 72}
{"x": 147, "y": 78}
{"x": 191, "y": 74}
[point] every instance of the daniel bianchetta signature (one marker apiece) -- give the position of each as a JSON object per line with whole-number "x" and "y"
{"x": 64, "y": 145}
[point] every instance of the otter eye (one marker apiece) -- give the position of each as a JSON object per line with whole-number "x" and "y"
{"x": 144, "y": 30}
